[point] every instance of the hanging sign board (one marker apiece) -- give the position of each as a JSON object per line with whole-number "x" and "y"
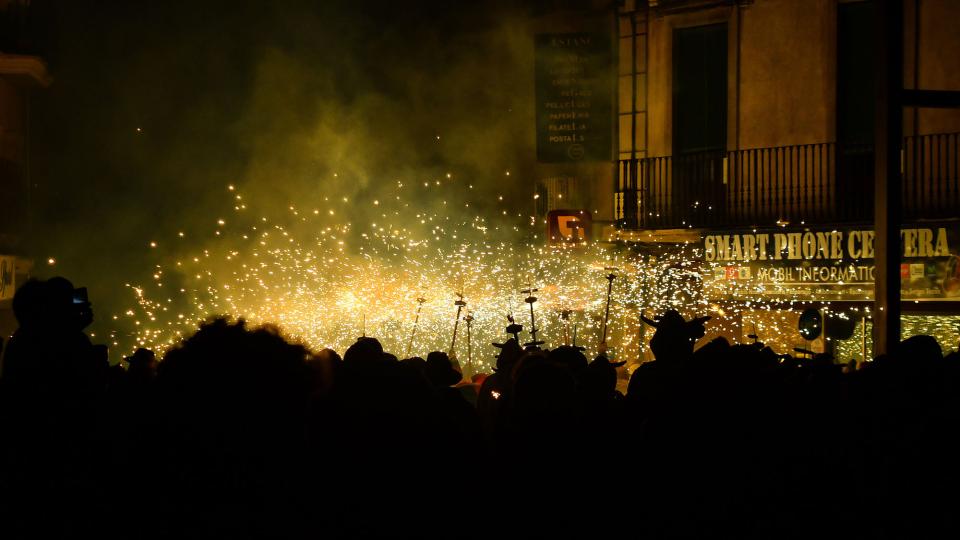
{"x": 574, "y": 97}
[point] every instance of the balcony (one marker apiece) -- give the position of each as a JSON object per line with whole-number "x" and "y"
{"x": 812, "y": 183}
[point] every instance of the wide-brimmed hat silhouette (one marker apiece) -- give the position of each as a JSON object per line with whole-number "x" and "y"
{"x": 442, "y": 370}
{"x": 510, "y": 351}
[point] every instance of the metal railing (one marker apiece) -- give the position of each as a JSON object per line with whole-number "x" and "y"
{"x": 930, "y": 176}
{"x": 822, "y": 182}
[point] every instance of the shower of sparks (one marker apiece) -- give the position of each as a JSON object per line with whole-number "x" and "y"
{"x": 325, "y": 280}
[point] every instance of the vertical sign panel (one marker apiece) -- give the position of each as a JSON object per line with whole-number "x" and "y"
{"x": 574, "y": 97}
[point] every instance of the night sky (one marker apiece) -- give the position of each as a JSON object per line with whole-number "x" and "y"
{"x": 157, "y": 106}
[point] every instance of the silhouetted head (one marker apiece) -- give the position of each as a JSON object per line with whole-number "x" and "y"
{"x": 365, "y": 350}
{"x": 227, "y": 387}
{"x": 53, "y": 305}
{"x": 715, "y": 349}
{"x": 416, "y": 364}
{"x": 142, "y": 363}
{"x": 919, "y": 348}
{"x": 601, "y": 376}
{"x": 821, "y": 361}
{"x": 29, "y": 304}
{"x": 675, "y": 337}
{"x": 67, "y": 311}
{"x": 440, "y": 370}
{"x": 510, "y": 352}
{"x": 543, "y": 389}
{"x": 569, "y": 357}
{"x": 323, "y": 369}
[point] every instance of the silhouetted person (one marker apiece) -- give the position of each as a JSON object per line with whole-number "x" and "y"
{"x": 142, "y": 364}
{"x": 49, "y": 348}
{"x": 239, "y": 433}
{"x": 234, "y": 405}
{"x": 496, "y": 396}
{"x": 53, "y": 383}
{"x": 443, "y": 374}
{"x": 441, "y": 370}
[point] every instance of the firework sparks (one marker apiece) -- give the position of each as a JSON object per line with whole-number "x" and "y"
{"x": 324, "y": 280}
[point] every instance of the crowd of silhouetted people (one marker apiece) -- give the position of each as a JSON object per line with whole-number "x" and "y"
{"x": 237, "y": 432}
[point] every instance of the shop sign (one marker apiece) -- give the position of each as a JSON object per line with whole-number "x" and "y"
{"x": 825, "y": 264}
{"x": 568, "y": 226}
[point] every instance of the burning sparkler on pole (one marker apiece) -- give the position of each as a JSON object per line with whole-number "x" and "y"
{"x": 469, "y": 319}
{"x": 460, "y": 303}
{"x": 416, "y": 322}
{"x": 606, "y": 315}
{"x": 530, "y": 299}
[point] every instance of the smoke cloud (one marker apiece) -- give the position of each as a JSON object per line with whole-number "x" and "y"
{"x": 157, "y": 108}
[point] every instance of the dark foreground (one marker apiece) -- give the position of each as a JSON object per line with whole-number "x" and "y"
{"x": 238, "y": 433}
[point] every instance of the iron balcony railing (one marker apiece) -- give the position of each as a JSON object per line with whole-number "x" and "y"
{"x": 823, "y": 183}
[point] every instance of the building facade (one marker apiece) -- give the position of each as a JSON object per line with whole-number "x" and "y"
{"x": 745, "y": 137}
{"x": 21, "y": 74}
